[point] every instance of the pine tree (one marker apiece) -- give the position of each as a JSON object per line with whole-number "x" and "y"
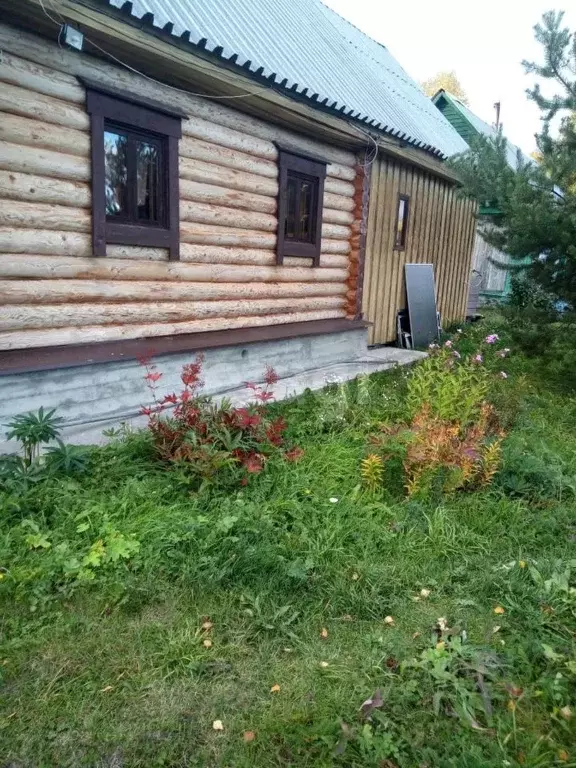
{"x": 536, "y": 202}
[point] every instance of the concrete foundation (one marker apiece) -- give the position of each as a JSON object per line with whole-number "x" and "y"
{"x": 92, "y": 398}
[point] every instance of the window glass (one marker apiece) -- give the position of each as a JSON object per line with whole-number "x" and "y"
{"x": 116, "y": 174}
{"x": 401, "y": 222}
{"x": 147, "y": 181}
{"x": 291, "y": 194}
{"x": 306, "y": 193}
{"x": 300, "y": 208}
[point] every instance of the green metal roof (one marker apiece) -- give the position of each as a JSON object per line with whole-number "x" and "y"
{"x": 470, "y": 125}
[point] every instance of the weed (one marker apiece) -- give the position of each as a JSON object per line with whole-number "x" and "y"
{"x": 34, "y": 430}
{"x": 109, "y": 578}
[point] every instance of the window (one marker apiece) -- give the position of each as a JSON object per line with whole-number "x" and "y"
{"x": 401, "y": 231}
{"x": 134, "y": 172}
{"x": 300, "y": 194}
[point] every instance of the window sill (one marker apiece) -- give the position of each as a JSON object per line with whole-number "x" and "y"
{"x": 133, "y": 234}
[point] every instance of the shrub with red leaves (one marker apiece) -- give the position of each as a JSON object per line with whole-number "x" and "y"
{"x": 210, "y": 439}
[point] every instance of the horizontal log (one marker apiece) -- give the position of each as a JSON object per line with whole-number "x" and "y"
{"x": 338, "y": 187}
{"x": 224, "y": 136}
{"x": 338, "y": 202}
{"x": 136, "y": 252}
{"x": 28, "y": 292}
{"x": 21, "y": 101}
{"x": 34, "y": 133}
{"x": 43, "y": 241}
{"x": 66, "y": 267}
{"x": 226, "y": 198}
{"x": 213, "y": 254}
{"x": 335, "y": 231}
{"x": 209, "y": 234}
{"x": 326, "y": 260}
{"x": 204, "y": 213}
{"x": 43, "y": 162}
{"x": 230, "y": 198}
{"x": 333, "y": 216}
{"x": 34, "y": 77}
{"x": 92, "y": 334}
{"x": 233, "y": 226}
{"x": 337, "y": 194}
{"x": 335, "y": 246}
{"x": 229, "y": 178}
{"x": 29, "y": 317}
{"x": 198, "y": 149}
{"x": 15, "y": 213}
{"x": 42, "y": 189}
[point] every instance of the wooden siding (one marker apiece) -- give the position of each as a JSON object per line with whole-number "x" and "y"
{"x": 53, "y": 291}
{"x": 440, "y": 231}
{"x": 493, "y": 279}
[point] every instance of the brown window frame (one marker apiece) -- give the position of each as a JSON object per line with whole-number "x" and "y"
{"x": 290, "y": 163}
{"x": 111, "y": 109}
{"x": 400, "y": 242}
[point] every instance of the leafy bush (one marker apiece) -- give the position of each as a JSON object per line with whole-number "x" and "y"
{"x": 209, "y": 441}
{"x": 452, "y": 437}
{"x": 528, "y": 294}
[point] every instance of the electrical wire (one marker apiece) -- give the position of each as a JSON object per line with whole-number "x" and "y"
{"x": 245, "y": 95}
{"x": 366, "y": 164}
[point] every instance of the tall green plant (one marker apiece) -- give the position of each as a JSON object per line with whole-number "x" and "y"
{"x": 33, "y": 430}
{"x": 453, "y": 388}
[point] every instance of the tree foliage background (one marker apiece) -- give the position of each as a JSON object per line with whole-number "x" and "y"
{"x": 536, "y": 201}
{"x": 449, "y": 82}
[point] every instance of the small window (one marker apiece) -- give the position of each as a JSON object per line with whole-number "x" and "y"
{"x": 300, "y": 194}
{"x": 401, "y": 231}
{"x": 134, "y": 172}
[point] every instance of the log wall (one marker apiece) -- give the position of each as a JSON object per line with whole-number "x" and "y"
{"x": 53, "y": 291}
{"x": 441, "y": 228}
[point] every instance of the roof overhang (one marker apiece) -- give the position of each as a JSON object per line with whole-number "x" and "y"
{"x": 160, "y": 55}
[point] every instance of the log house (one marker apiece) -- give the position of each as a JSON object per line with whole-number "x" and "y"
{"x": 158, "y": 198}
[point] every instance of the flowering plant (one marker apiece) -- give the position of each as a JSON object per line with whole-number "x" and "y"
{"x": 451, "y": 438}
{"x": 207, "y": 439}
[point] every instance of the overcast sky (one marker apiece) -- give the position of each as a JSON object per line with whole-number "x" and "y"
{"x": 484, "y": 43}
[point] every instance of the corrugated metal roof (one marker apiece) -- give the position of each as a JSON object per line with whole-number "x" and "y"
{"x": 308, "y": 50}
{"x": 485, "y": 129}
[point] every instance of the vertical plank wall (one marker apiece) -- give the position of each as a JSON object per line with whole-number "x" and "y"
{"x": 441, "y": 230}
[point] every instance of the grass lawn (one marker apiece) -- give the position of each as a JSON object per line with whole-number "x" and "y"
{"x": 299, "y": 613}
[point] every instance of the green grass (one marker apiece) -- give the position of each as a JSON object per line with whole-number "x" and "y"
{"x": 115, "y": 673}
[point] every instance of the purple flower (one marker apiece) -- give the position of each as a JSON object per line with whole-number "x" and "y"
{"x": 503, "y": 375}
{"x": 492, "y": 338}
{"x": 478, "y": 359}
{"x": 448, "y": 343}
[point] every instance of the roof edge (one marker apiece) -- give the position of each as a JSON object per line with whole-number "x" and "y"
{"x": 254, "y": 72}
